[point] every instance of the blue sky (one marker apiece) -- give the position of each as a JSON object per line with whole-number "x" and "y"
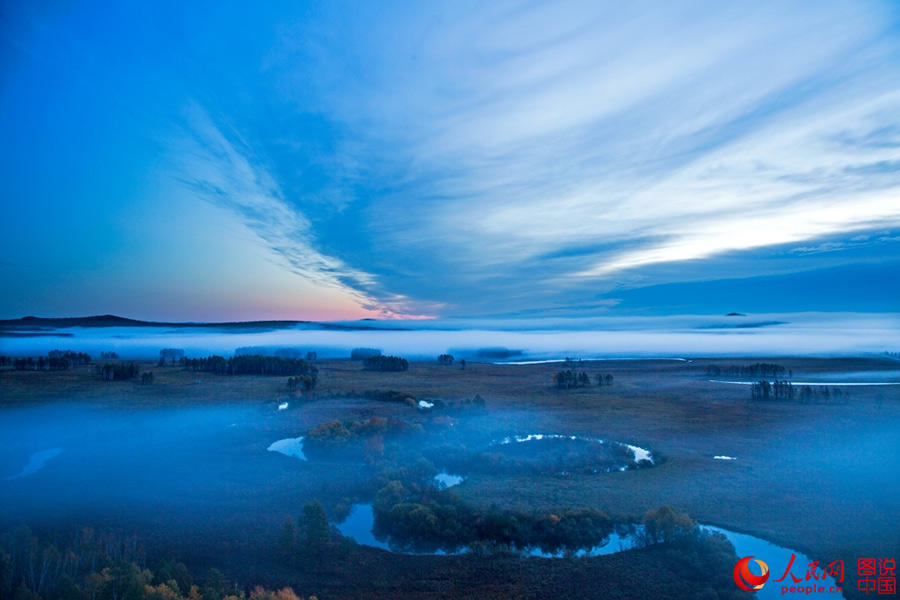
{"x": 218, "y": 161}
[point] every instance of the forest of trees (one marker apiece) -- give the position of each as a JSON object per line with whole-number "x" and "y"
{"x": 386, "y": 364}
{"x": 56, "y": 360}
{"x": 566, "y": 379}
{"x": 364, "y": 353}
{"x": 309, "y": 355}
{"x": 103, "y": 566}
{"x": 250, "y": 364}
{"x": 352, "y": 436}
{"x": 784, "y": 390}
{"x": 432, "y": 519}
{"x": 119, "y": 371}
{"x": 755, "y": 370}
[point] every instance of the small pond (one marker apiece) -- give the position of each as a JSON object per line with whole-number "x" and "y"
{"x": 447, "y": 480}
{"x": 292, "y": 447}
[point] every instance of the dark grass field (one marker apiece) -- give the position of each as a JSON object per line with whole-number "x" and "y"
{"x": 820, "y": 478}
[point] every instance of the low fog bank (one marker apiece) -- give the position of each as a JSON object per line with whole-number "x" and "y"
{"x": 121, "y": 466}
{"x": 820, "y": 334}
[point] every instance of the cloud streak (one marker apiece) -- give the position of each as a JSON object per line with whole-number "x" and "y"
{"x": 613, "y": 141}
{"x": 218, "y": 171}
{"x": 465, "y": 159}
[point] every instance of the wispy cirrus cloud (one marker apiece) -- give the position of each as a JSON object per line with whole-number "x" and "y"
{"x": 857, "y": 241}
{"x": 455, "y": 159}
{"x": 221, "y": 171}
{"x": 537, "y": 153}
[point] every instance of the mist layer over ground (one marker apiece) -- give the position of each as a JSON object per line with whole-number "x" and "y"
{"x": 186, "y": 465}
{"x": 819, "y": 334}
{"x": 196, "y": 469}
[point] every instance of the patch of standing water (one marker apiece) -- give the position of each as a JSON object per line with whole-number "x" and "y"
{"x": 423, "y": 405}
{"x": 445, "y": 479}
{"x": 36, "y": 462}
{"x": 778, "y": 559}
{"x": 283, "y": 406}
{"x": 640, "y": 453}
{"x": 724, "y": 457}
{"x": 358, "y": 525}
{"x": 292, "y": 447}
{"x": 614, "y": 543}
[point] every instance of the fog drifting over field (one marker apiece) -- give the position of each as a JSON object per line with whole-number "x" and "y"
{"x": 539, "y": 339}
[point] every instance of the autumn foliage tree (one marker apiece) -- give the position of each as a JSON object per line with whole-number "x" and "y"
{"x": 665, "y": 524}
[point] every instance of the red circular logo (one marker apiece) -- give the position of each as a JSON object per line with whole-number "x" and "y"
{"x": 746, "y": 580}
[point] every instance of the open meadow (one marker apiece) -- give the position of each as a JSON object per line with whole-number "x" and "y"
{"x": 183, "y": 464}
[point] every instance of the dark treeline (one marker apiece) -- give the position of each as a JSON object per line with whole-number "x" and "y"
{"x": 763, "y": 390}
{"x": 253, "y": 364}
{"x": 755, "y": 370}
{"x": 56, "y": 360}
{"x": 364, "y": 353}
{"x": 446, "y": 359}
{"x": 386, "y": 363}
{"x": 76, "y": 358}
{"x": 433, "y": 520}
{"x": 784, "y": 390}
{"x": 439, "y": 519}
{"x": 103, "y": 566}
{"x": 119, "y": 371}
{"x": 566, "y": 379}
{"x": 60, "y": 361}
{"x": 309, "y": 355}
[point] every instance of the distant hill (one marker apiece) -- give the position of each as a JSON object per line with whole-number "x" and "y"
{"x": 36, "y": 325}
{"x": 57, "y": 323}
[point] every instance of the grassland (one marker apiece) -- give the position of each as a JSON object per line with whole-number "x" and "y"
{"x": 820, "y": 478}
